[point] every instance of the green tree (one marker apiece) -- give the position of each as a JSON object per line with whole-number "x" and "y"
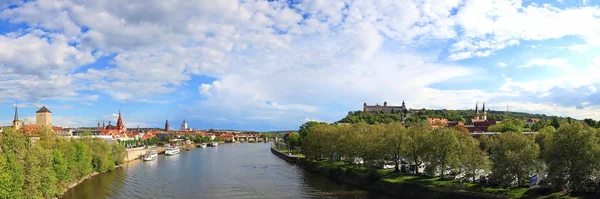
{"x": 555, "y": 123}
{"x": 572, "y": 156}
{"x": 544, "y": 137}
{"x": 416, "y": 143}
{"x": 293, "y": 140}
{"x": 395, "y": 143}
{"x": 11, "y": 176}
{"x": 305, "y": 128}
{"x": 514, "y": 158}
{"x": 590, "y": 122}
{"x": 472, "y": 158}
{"x": 39, "y": 179}
{"x": 444, "y": 150}
{"x": 59, "y": 165}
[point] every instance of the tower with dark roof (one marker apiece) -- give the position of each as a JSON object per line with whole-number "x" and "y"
{"x": 476, "y": 116}
{"x": 167, "y": 125}
{"x": 484, "y": 113}
{"x": 43, "y": 117}
{"x": 16, "y": 121}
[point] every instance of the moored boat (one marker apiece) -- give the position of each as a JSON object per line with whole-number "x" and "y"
{"x": 214, "y": 144}
{"x": 150, "y": 155}
{"x": 172, "y": 150}
{"x": 202, "y": 145}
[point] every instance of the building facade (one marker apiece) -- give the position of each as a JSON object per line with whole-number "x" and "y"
{"x": 43, "y": 117}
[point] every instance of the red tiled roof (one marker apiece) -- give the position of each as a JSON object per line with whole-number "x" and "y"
{"x": 148, "y": 135}
{"x": 30, "y": 129}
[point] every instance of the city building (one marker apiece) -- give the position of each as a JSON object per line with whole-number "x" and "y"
{"x": 184, "y": 126}
{"x": 437, "y": 122}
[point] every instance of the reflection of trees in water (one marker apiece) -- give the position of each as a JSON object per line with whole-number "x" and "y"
{"x": 106, "y": 183}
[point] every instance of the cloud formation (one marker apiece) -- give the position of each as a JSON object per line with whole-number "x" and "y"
{"x": 277, "y": 64}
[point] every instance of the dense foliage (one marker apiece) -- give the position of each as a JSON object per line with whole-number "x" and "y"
{"x": 46, "y": 168}
{"x": 452, "y": 115}
{"x": 374, "y": 145}
{"x": 569, "y": 155}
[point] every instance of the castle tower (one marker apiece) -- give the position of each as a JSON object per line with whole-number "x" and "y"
{"x": 16, "y": 122}
{"x": 43, "y": 117}
{"x": 167, "y": 125}
{"x": 120, "y": 121}
{"x": 184, "y": 126}
{"x": 484, "y": 116}
{"x": 365, "y": 107}
{"x": 103, "y": 125}
{"x": 385, "y": 103}
{"x": 99, "y": 125}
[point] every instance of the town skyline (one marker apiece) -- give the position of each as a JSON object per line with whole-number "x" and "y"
{"x": 263, "y": 66}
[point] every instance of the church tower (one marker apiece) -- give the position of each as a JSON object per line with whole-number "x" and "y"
{"x": 16, "y": 122}
{"x": 484, "y": 116}
{"x": 120, "y": 121}
{"x": 476, "y": 117}
{"x": 184, "y": 126}
{"x": 43, "y": 117}
{"x": 167, "y": 125}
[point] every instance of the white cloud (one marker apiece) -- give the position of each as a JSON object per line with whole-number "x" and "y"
{"x": 489, "y": 26}
{"x": 204, "y": 89}
{"x": 592, "y": 88}
{"x": 304, "y": 59}
{"x": 501, "y": 64}
{"x": 553, "y": 62}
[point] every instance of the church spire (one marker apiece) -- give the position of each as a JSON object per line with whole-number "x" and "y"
{"x": 120, "y": 121}
{"x": 16, "y": 114}
{"x": 476, "y": 107}
{"x": 16, "y": 122}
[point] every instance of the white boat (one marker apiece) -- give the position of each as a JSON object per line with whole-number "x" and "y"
{"x": 214, "y": 144}
{"x": 202, "y": 145}
{"x": 150, "y": 155}
{"x": 172, "y": 150}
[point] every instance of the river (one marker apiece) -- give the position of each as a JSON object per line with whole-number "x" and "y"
{"x": 246, "y": 170}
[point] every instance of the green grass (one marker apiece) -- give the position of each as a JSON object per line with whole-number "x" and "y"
{"x": 435, "y": 183}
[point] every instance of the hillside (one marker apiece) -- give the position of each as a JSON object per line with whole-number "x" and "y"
{"x": 422, "y": 114}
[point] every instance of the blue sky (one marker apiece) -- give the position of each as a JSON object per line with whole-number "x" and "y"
{"x": 275, "y": 65}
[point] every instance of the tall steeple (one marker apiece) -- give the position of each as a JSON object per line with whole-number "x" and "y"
{"x": 484, "y": 116}
{"x": 16, "y": 114}
{"x": 120, "y": 121}
{"x": 477, "y": 116}
{"x": 16, "y": 122}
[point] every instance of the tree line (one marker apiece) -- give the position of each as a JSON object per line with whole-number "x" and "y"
{"x": 567, "y": 158}
{"x": 46, "y": 168}
{"x": 452, "y": 115}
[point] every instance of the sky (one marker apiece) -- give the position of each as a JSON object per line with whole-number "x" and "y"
{"x": 273, "y": 65}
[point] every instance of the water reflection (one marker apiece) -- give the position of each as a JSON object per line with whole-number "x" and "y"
{"x": 227, "y": 171}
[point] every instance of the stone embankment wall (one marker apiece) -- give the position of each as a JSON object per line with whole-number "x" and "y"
{"x": 284, "y": 156}
{"x": 137, "y": 153}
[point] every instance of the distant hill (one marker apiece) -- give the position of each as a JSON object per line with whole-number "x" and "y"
{"x": 422, "y": 114}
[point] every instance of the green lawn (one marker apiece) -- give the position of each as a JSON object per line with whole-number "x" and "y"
{"x": 436, "y": 183}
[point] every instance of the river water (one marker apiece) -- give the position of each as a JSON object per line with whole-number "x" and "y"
{"x": 246, "y": 170}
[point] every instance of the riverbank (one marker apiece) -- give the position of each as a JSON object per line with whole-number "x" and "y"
{"x": 130, "y": 156}
{"x": 405, "y": 185}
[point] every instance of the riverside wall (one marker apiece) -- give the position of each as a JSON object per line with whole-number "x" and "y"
{"x": 284, "y": 156}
